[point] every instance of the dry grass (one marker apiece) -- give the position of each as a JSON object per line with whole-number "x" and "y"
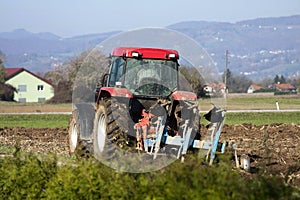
{"x": 15, "y": 107}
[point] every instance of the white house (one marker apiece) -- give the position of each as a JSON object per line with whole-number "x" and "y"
{"x": 30, "y": 87}
{"x": 253, "y": 88}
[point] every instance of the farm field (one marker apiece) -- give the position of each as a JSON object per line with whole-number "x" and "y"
{"x": 273, "y": 150}
{"x": 232, "y": 102}
{"x": 254, "y": 102}
{"x": 271, "y": 140}
{"x": 16, "y": 107}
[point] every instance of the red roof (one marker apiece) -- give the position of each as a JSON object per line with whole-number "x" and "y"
{"x": 154, "y": 53}
{"x": 285, "y": 86}
{"x": 11, "y": 72}
{"x": 255, "y": 87}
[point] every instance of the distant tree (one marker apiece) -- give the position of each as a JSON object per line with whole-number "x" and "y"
{"x": 266, "y": 82}
{"x": 63, "y": 92}
{"x": 293, "y": 81}
{"x": 282, "y": 79}
{"x": 2, "y": 74}
{"x": 2, "y": 69}
{"x": 276, "y": 79}
{"x": 298, "y": 85}
{"x": 236, "y": 83}
{"x": 191, "y": 80}
{"x": 54, "y": 76}
{"x": 78, "y": 76}
{"x": 228, "y": 75}
{"x": 239, "y": 84}
{"x": 6, "y": 90}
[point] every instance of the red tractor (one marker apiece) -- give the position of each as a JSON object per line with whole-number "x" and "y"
{"x": 138, "y": 107}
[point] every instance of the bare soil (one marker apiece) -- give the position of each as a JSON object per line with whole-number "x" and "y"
{"x": 39, "y": 140}
{"x": 273, "y": 149}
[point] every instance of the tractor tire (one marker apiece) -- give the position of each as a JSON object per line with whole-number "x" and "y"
{"x": 110, "y": 130}
{"x": 73, "y": 133}
{"x": 79, "y": 126}
{"x": 77, "y": 146}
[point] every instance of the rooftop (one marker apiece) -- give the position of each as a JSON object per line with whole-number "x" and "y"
{"x": 285, "y": 86}
{"x": 11, "y": 72}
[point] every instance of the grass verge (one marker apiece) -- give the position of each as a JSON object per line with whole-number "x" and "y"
{"x": 259, "y": 118}
{"x": 34, "y": 121}
{"x": 62, "y": 120}
{"x": 248, "y": 102}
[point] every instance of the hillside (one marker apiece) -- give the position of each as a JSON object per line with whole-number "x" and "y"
{"x": 258, "y": 48}
{"x": 43, "y": 51}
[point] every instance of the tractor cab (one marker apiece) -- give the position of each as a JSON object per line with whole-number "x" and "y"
{"x": 145, "y": 72}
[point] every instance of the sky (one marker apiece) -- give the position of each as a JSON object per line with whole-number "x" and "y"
{"x": 67, "y": 18}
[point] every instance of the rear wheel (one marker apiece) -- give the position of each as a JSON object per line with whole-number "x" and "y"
{"x": 110, "y": 130}
{"x": 77, "y": 146}
{"x": 73, "y": 135}
{"x": 80, "y": 130}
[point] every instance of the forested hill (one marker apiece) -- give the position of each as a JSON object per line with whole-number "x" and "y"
{"x": 257, "y": 48}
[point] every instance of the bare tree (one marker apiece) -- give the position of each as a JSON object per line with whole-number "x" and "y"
{"x": 2, "y": 69}
{"x": 79, "y": 76}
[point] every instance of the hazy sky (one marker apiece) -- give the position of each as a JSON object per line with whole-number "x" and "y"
{"x": 75, "y": 17}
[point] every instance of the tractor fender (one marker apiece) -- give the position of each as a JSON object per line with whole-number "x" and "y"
{"x": 86, "y": 115}
{"x": 184, "y": 95}
{"x": 117, "y": 92}
{"x": 114, "y": 92}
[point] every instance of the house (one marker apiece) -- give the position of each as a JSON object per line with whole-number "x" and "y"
{"x": 214, "y": 88}
{"x": 252, "y": 88}
{"x": 285, "y": 87}
{"x": 30, "y": 87}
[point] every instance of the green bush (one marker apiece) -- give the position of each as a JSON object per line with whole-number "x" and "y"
{"x": 284, "y": 93}
{"x": 32, "y": 177}
{"x": 25, "y": 177}
{"x": 264, "y": 90}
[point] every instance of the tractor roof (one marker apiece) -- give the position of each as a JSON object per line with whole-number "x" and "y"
{"x": 155, "y": 53}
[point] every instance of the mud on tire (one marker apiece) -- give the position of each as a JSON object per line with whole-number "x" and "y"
{"x": 77, "y": 146}
{"x": 80, "y": 129}
{"x": 111, "y": 127}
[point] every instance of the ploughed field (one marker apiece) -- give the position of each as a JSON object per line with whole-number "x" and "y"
{"x": 273, "y": 149}
{"x": 39, "y": 140}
